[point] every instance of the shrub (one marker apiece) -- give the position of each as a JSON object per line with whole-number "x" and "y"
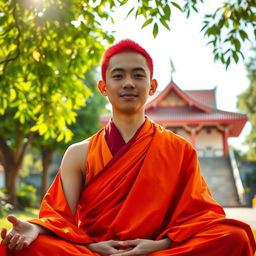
{"x": 26, "y": 196}
{"x": 5, "y": 207}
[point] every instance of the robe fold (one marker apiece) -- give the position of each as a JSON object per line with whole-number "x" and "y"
{"x": 150, "y": 189}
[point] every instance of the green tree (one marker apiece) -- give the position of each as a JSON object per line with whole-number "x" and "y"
{"x": 246, "y": 102}
{"x": 44, "y": 55}
{"x": 47, "y": 46}
{"x": 227, "y": 28}
{"x": 88, "y": 117}
{"x": 87, "y": 123}
{"x": 31, "y": 164}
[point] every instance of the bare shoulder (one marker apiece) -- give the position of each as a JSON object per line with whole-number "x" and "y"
{"x": 75, "y": 156}
{"x": 79, "y": 147}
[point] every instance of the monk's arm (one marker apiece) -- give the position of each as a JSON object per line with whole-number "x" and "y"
{"x": 23, "y": 233}
{"x": 72, "y": 171}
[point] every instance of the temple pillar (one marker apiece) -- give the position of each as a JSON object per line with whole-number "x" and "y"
{"x": 225, "y": 141}
{"x": 193, "y": 136}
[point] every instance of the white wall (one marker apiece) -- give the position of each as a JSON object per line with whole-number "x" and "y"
{"x": 207, "y": 144}
{"x": 211, "y": 143}
{"x": 1, "y": 179}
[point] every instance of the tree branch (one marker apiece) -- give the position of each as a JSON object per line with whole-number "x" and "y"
{"x": 31, "y": 137}
{"x": 4, "y": 148}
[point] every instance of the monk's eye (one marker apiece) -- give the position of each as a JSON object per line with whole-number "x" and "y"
{"x": 139, "y": 75}
{"x": 117, "y": 76}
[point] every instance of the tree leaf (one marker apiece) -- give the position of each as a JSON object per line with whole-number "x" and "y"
{"x": 147, "y": 22}
{"x": 128, "y": 14}
{"x": 216, "y": 57}
{"x": 12, "y": 94}
{"x": 235, "y": 56}
{"x": 227, "y": 13}
{"x": 164, "y": 23}
{"x": 227, "y": 62}
{"x": 138, "y": 12}
{"x": 241, "y": 54}
{"x": 155, "y": 30}
{"x": 226, "y": 51}
{"x": 194, "y": 8}
{"x": 42, "y": 128}
{"x": 177, "y": 6}
{"x": 167, "y": 12}
{"x": 204, "y": 27}
{"x": 237, "y": 44}
{"x": 123, "y": 2}
{"x": 243, "y": 34}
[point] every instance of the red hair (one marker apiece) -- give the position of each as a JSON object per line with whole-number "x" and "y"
{"x": 126, "y": 45}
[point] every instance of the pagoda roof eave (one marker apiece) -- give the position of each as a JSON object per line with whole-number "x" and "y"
{"x": 184, "y": 95}
{"x": 235, "y": 125}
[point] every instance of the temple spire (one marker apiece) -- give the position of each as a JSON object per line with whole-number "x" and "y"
{"x": 172, "y": 69}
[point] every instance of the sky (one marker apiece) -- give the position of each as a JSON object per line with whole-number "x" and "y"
{"x": 192, "y": 58}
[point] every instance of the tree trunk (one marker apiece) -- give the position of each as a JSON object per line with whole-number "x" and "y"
{"x": 47, "y": 157}
{"x": 12, "y": 161}
{"x": 11, "y": 181}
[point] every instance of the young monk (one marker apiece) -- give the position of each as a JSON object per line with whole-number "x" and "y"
{"x": 133, "y": 188}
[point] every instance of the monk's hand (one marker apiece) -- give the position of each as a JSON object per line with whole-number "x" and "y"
{"x": 143, "y": 246}
{"x": 21, "y": 235}
{"x": 105, "y": 248}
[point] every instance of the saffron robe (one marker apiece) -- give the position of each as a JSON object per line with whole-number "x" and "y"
{"x": 150, "y": 189}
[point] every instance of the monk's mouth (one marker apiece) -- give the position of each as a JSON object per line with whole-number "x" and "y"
{"x": 128, "y": 96}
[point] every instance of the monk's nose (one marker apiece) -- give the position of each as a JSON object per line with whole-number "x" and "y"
{"x": 128, "y": 83}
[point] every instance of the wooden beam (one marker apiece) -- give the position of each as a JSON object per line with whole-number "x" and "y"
{"x": 193, "y": 136}
{"x": 225, "y": 141}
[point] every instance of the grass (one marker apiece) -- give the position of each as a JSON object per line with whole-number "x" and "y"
{"x": 33, "y": 213}
{"x": 26, "y": 214}
{"x": 254, "y": 232}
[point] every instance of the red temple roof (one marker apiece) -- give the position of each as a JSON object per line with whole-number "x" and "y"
{"x": 207, "y": 97}
{"x": 182, "y": 94}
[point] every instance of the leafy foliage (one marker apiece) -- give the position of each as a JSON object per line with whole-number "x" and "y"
{"x": 88, "y": 117}
{"x": 26, "y": 196}
{"x": 87, "y": 123}
{"x": 5, "y": 207}
{"x": 246, "y": 102}
{"x": 228, "y": 27}
{"x": 233, "y": 23}
{"x": 46, "y": 47}
{"x": 32, "y": 164}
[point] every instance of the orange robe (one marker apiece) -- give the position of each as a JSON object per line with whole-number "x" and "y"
{"x": 150, "y": 189}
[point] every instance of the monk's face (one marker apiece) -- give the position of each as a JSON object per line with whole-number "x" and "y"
{"x": 128, "y": 82}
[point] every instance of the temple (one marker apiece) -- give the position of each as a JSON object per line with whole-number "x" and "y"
{"x": 193, "y": 114}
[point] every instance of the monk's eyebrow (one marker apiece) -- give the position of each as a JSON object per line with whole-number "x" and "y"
{"x": 117, "y": 70}
{"x": 139, "y": 69}
{"x": 122, "y": 69}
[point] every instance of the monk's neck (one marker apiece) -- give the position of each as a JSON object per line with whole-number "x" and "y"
{"x": 128, "y": 125}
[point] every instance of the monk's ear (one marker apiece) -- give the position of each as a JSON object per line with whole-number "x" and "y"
{"x": 153, "y": 87}
{"x": 102, "y": 87}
